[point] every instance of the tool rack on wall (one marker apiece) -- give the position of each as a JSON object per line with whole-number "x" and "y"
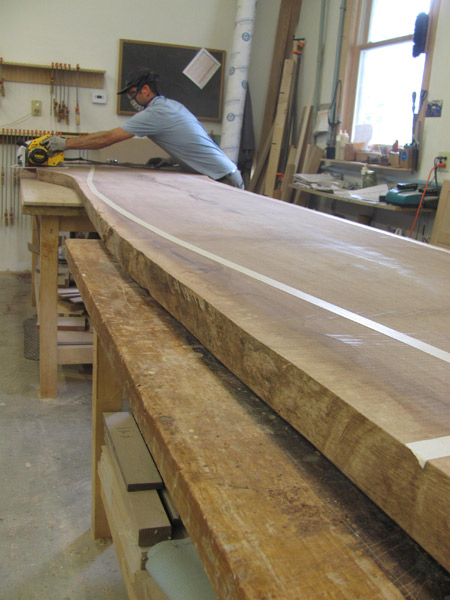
{"x": 57, "y": 74}
{"x": 43, "y": 74}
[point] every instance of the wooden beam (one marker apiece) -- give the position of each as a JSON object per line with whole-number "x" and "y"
{"x": 287, "y": 24}
{"x": 106, "y": 397}
{"x": 256, "y": 499}
{"x": 48, "y": 299}
{"x": 136, "y": 465}
{"x": 297, "y": 154}
{"x": 279, "y": 127}
{"x": 257, "y": 180}
{"x": 440, "y": 236}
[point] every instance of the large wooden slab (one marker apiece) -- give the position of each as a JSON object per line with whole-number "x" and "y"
{"x": 361, "y": 392}
{"x": 271, "y": 517}
{"x": 38, "y": 197}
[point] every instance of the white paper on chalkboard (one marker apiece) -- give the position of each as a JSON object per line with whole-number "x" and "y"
{"x": 201, "y": 68}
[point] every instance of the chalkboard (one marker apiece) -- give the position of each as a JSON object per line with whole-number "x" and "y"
{"x": 169, "y": 61}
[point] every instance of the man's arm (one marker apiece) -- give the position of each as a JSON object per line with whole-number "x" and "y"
{"x": 100, "y": 139}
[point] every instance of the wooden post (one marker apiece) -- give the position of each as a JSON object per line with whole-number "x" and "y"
{"x": 48, "y": 298}
{"x": 440, "y": 236}
{"x": 279, "y": 127}
{"x": 34, "y": 259}
{"x": 287, "y": 24}
{"x": 106, "y": 397}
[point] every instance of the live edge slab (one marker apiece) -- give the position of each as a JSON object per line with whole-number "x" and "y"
{"x": 341, "y": 329}
{"x": 270, "y": 516}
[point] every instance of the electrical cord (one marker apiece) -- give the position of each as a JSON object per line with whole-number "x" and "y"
{"x": 17, "y": 121}
{"x": 437, "y": 164}
{"x": 150, "y": 167}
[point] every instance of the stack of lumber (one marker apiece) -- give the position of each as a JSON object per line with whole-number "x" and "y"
{"x": 283, "y": 150}
{"x": 72, "y": 319}
{"x": 279, "y": 157}
{"x": 132, "y": 494}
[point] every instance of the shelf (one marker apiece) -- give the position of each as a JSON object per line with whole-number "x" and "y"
{"x": 352, "y": 163}
{"x": 11, "y": 135}
{"x": 369, "y": 203}
{"x": 42, "y": 74}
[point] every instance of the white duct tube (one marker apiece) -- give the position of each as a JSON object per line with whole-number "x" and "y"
{"x": 237, "y": 78}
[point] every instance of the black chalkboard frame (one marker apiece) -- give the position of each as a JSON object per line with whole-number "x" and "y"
{"x": 169, "y": 61}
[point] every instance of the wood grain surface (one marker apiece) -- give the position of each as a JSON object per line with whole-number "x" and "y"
{"x": 269, "y": 515}
{"x": 359, "y": 391}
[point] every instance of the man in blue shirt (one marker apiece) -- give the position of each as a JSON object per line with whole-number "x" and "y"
{"x": 168, "y": 123}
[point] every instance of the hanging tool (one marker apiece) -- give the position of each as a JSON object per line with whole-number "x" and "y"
{"x": 2, "y": 81}
{"x": 5, "y": 207}
{"x": 12, "y": 191}
{"x": 68, "y": 95}
{"x": 414, "y": 144}
{"x": 77, "y": 107}
{"x": 64, "y": 77}
{"x": 55, "y": 89}
{"x": 58, "y": 90}
{"x": 416, "y": 127}
{"x": 52, "y": 85}
{"x": 3, "y": 170}
{"x": 60, "y": 101}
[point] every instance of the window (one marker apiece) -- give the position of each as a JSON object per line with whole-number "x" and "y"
{"x": 384, "y": 81}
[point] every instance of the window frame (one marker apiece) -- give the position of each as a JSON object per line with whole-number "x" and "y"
{"x": 356, "y": 28}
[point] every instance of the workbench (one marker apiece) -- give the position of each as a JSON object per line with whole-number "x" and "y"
{"x": 54, "y": 209}
{"x": 271, "y": 518}
{"x": 341, "y": 329}
{"x": 361, "y": 201}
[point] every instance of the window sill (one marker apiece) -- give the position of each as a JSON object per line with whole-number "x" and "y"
{"x": 370, "y": 165}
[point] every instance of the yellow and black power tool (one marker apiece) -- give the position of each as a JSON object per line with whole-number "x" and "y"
{"x": 34, "y": 154}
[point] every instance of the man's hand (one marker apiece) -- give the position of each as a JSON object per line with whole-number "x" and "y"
{"x": 55, "y": 144}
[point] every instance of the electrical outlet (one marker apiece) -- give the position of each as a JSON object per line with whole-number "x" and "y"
{"x": 36, "y": 107}
{"x": 446, "y": 153}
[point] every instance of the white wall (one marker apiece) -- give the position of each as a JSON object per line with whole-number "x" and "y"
{"x": 87, "y": 32}
{"x": 436, "y": 134}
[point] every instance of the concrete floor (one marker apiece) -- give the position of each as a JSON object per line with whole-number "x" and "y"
{"x": 46, "y": 549}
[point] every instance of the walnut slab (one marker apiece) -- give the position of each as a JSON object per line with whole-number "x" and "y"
{"x": 342, "y": 329}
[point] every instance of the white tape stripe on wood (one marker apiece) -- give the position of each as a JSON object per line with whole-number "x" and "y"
{"x": 337, "y": 310}
{"x": 426, "y": 450}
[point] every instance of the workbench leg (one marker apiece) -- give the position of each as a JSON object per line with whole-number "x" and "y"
{"x": 106, "y": 397}
{"x": 48, "y": 298}
{"x": 34, "y": 259}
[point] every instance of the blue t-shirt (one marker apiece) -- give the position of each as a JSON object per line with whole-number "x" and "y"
{"x": 177, "y": 131}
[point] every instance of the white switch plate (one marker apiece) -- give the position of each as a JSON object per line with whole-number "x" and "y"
{"x": 36, "y": 106}
{"x": 98, "y": 98}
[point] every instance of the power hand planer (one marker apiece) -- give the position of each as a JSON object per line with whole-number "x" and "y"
{"x": 34, "y": 154}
